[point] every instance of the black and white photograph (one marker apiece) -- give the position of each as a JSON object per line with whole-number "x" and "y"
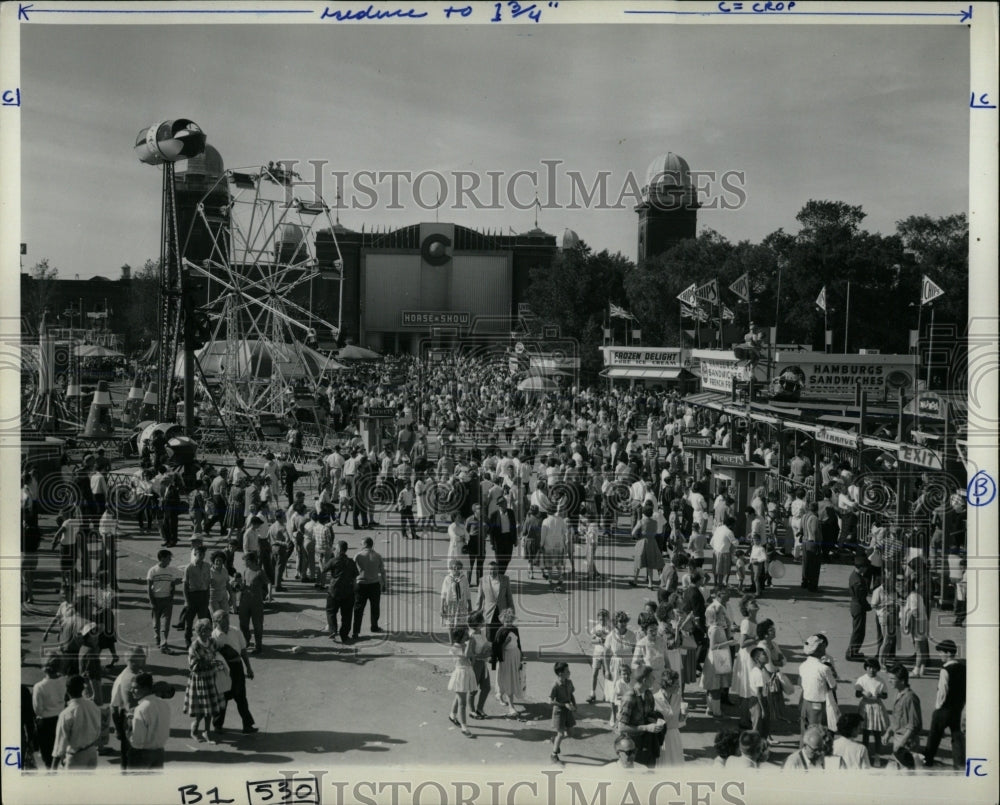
{"x": 499, "y": 402}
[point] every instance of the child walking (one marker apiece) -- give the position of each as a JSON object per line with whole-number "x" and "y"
{"x": 563, "y": 704}
{"x": 621, "y": 689}
{"x": 591, "y": 533}
{"x": 463, "y": 678}
{"x": 598, "y": 634}
{"x": 870, "y": 688}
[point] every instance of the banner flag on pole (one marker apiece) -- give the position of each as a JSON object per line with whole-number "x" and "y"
{"x": 821, "y": 299}
{"x": 690, "y": 312}
{"x": 709, "y": 292}
{"x": 620, "y": 312}
{"x": 727, "y": 314}
{"x": 687, "y": 295}
{"x": 741, "y": 287}
{"x": 929, "y": 290}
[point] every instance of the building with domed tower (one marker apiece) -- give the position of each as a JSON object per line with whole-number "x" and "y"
{"x": 668, "y": 212}
{"x": 198, "y": 180}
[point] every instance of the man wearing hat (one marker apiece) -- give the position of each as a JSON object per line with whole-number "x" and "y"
{"x": 948, "y": 706}
{"x": 818, "y": 680}
{"x": 860, "y": 607}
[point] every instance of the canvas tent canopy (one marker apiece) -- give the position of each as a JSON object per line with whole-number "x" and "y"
{"x": 258, "y": 360}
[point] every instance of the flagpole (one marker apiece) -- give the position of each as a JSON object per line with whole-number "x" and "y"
{"x": 777, "y": 304}
{"x": 920, "y": 310}
{"x": 718, "y": 307}
{"x": 916, "y": 373}
{"x": 930, "y": 350}
{"x": 847, "y": 315}
{"x": 826, "y": 321}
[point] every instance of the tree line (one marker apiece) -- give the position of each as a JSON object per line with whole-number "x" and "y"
{"x": 786, "y": 272}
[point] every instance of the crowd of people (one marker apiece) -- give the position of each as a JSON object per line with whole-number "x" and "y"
{"x": 505, "y": 473}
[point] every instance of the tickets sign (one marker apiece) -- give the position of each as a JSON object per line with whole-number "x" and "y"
{"x": 729, "y": 459}
{"x": 697, "y": 442}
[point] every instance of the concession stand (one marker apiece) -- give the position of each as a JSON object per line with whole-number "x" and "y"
{"x": 648, "y": 366}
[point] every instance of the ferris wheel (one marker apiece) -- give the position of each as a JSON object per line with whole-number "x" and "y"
{"x": 273, "y": 252}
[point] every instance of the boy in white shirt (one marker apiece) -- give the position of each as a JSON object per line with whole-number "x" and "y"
{"x": 161, "y": 581}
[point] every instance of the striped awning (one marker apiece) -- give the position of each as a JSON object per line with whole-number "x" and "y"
{"x": 650, "y": 373}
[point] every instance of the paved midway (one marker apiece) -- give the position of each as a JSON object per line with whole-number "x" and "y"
{"x": 384, "y": 699}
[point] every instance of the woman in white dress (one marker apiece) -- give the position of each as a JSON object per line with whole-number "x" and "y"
{"x": 424, "y": 517}
{"x": 747, "y": 640}
{"x": 651, "y": 647}
{"x": 507, "y": 659}
{"x": 458, "y": 538}
{"x": 669, "y": 706}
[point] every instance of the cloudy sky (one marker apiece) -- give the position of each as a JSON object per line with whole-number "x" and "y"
{"x": 876, "y": 116}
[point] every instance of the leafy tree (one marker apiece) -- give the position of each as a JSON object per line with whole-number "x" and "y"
{"x": 653, "y": 287}
{"x": 938, "y": 247}
{"x": 787, "y": 272}
{"x": 574, "y": 292}
{"x": 141, "y": 314}
{"x": 832, "y": 251}
{"x": 39, "y": 294}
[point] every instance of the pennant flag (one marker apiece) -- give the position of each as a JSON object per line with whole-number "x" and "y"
{"x": 929, "y": 290}
{"x": 727, "y": 314}
{"x": 741, "y": 287}
{"x": 687, "y": 295}
{"x": 821, "y": 299}
{"x": 620, "y": 312}
{"x": 709, "y": 292}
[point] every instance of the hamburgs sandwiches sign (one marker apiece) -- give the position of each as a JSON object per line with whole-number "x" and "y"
{"x": 825, "y": 376}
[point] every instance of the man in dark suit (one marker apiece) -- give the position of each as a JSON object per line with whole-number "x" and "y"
{"x": 494, "y": 597}
{"x": 503, "y": 533}
{"x": 476, "y": 545}
{"x": 858, "y": 587}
